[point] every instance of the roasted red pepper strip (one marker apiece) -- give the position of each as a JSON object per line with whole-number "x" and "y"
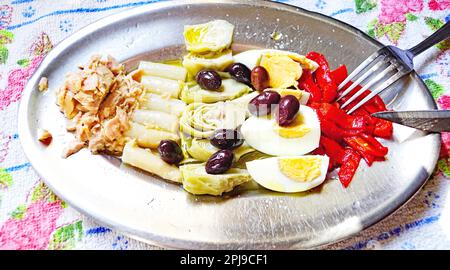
{"x": 323, "y": 77}
{"x": 339, "y": 129}
{"x": 354, "y": 102}
{"x": 334, "y": 132}
{"x": 376, "y": 104}
{"x": 370, "y": 121}
{"x": 379, "y": 103}
{"x": 361, "y": 111}
{"x": 368, "y": 158}
{"x": 307, "y": 83}
{"x": 375, "y": 143}
{"x": 319, "y": 151}
{"x": 370, "y": 107}
{"x": 331, "y": 113}
{"x": 331, "y": 130}
{"x": 332, "y": 149}
{"x": 350, "y": 163}
{"x": 358, "y": 122}
{"x": 383, "y": 129}
{"x": 370, "y": 126}
{"x": 339, "y": 74}
{"x": 361, "y": 145}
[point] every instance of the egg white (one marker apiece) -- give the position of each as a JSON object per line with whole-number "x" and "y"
{"x": 259, "y": 133}
{"x": 266, "y": 172}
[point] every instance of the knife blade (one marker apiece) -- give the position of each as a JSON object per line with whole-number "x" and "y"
{"x": 430, "y": 120}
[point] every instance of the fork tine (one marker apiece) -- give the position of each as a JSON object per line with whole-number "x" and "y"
{"x": 369, "y": 84}
{"x": 360, "y": 79}
{"x": 359, "y": 68}
{"x": 378, "y": 90}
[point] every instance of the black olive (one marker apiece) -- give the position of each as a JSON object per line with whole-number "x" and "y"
{"x": 287, "y": 109}
{"x": 226, "y": 139}
{"x": 219, "y": 162}
{"x": 262, "y": 104}
{"x": 209, "y": 79}
{"x": 170, "y": 151}
{"x": 240, "y": 73}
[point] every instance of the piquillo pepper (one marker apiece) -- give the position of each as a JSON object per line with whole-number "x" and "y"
{"x": 331, "y": 130}
{"x": 323, "y": 77}
{"x": 383, "y": 129}
{"x": 319, "y": 151}
{"x": 332, "y": 149}
{"x": 346, "y": 139}
{"x": 364, "y": 145}
{"x": 307, "y": 83}
{"x": 375, "y": 143}
{"x": 350, "y": 163}
{"x": 339, "y": 74}
{"x": 334, "y": 132}
{"x": 373, "y": 105}
{"x": 330, "y": 112}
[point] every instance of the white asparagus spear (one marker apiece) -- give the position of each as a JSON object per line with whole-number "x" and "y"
{"x": 162, "y": 86}
{"x": 148, "y": 161}
{"x": 158, "y": 103}
{"x": 147, "y": 137}
{"x": 163, "y": 70}
{"x": 156, "y": 119}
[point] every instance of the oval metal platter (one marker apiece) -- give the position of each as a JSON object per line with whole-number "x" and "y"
{"x": 158, "y": 212}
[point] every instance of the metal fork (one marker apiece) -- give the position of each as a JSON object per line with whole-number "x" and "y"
{"x": 387, "y": 61}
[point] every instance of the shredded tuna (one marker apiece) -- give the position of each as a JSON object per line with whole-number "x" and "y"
{"x": 43, "y": 84}
{"x": 72, "y": 148}
{"x": 98, "y": 99}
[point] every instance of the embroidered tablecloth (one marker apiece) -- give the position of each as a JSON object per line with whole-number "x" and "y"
{"x": 32, "y": 217}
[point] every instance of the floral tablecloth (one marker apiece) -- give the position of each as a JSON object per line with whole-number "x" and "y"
{"x": 32, "y": 217}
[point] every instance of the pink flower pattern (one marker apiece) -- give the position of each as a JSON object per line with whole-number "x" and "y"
{"x": 439, "y": 4}
{"x": 32, "y": 231}
{"x": 395, "y": 11}
{"x": 16, "y": 83}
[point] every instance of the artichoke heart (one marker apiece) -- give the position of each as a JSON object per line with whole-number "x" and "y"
{"x": 202, "y": 149}
{"x": 200, "y": 120}
{"x": 230, "y": 90}
{"x": 196, "y": 181}
{"x": 217, "y": 61}
{"x": 212, "y": 36}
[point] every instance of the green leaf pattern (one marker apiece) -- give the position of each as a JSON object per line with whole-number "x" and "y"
{"x": 365, "y": 5}
{"x": 6, "y": 37}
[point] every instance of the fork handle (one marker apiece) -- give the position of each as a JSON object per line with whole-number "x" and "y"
{"x": 441, "y": 34}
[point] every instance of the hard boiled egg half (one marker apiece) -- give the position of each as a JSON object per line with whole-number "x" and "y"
{"x": 299, "y": 138}
{"x": 289, "y": 174}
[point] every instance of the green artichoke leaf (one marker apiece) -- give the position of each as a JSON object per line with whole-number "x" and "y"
{"x": 197, "y": 181}
{"x": 202, "y": 149}
{"x": 211, "y": 36}
{"x": 200, "y": 120}
{"x": 230, "y": 90}
{"x": 217, "y": 61}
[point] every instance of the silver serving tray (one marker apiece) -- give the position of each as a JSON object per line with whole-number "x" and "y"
{"x": 162, "y": 213}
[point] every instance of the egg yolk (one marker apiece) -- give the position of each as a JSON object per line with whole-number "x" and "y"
{"x": 304, "y": 169}
{"x": 296, "y": 129}
{"x": 305, "y": 62}
{"x": 283, "y": 71}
